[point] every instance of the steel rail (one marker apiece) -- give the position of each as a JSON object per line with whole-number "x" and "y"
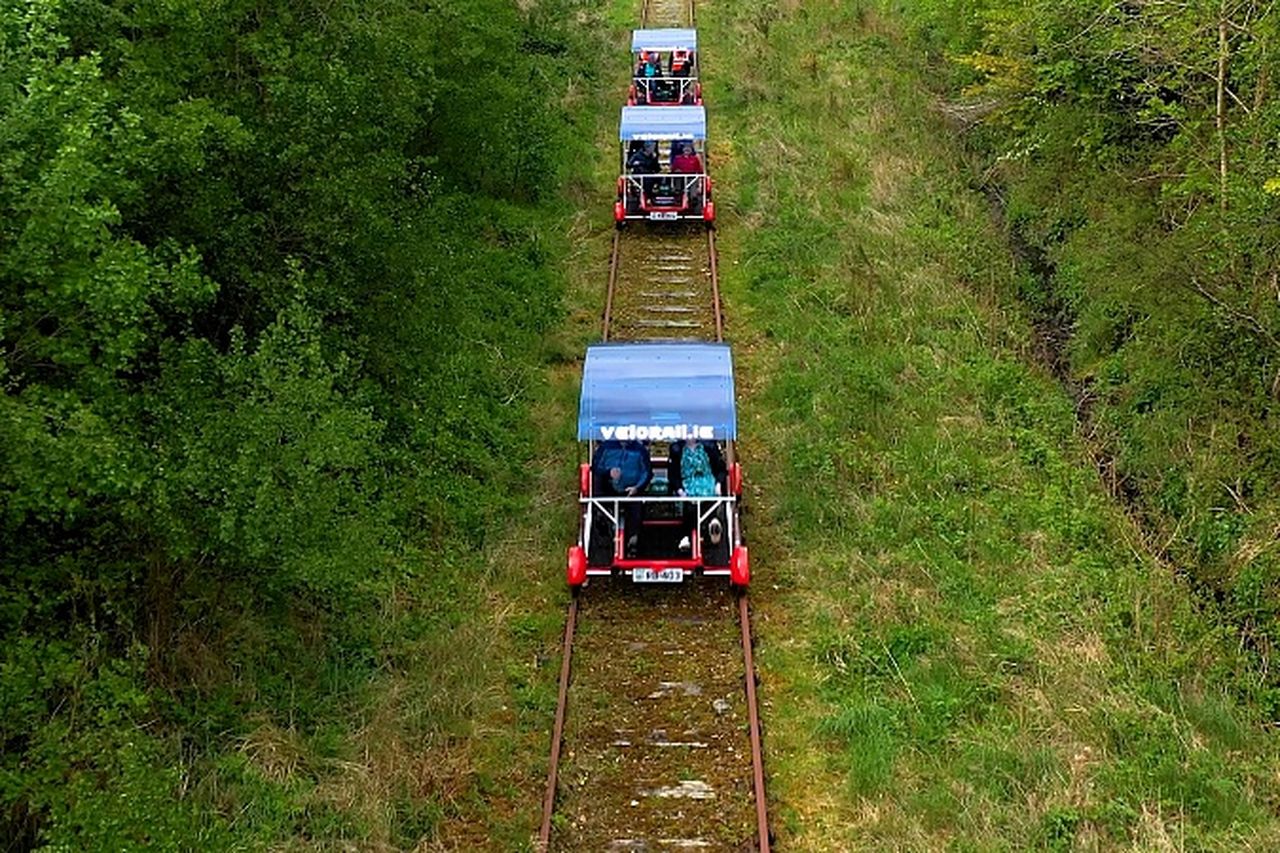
{"x": 715, "y": 285}
{"x": 557, "y": 732}
{"x": 613, "y": 283}
{"x": 753, "y": 720}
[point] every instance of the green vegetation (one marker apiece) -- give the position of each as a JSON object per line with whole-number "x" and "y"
{"x": 293, "y": 296}
{"x": 963, "y": 641}
{"x": 1133, "y": 146}
{"x": 275, "y": 279}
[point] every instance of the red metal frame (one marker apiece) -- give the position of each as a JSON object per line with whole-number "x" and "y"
{"x": 682, "y": 210}
{"x": 679, "y": 563}
{"x": 658, "y": 208}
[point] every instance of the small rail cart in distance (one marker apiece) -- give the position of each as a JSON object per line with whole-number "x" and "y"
{"x": 664, "y": 68}
{"x": 646, "y": 512}
{"x": 664, "y": 166}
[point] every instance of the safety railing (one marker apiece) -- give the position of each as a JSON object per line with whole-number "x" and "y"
{"x": 665, "y": 90}
{"x": 611, "y": 509}
{"x": 687, "y": 187}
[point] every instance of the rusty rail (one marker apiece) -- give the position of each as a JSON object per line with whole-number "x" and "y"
{"x": 753, "y": 720}
{"x": 613, "y": 283}
{"x": 715, "y": 285}
{"x": 557, "y": 733}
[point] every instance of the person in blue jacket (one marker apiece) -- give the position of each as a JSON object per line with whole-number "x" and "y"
{"x": 623, "y": 470}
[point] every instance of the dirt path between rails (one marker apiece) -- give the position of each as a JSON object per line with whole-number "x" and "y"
{"x": 664, "y": 285}
{"x": 657, "y": 755}
{"x": 667, "y": 13}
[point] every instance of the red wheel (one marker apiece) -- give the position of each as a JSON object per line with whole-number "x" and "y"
{"x": 739, "y": 567}
{"x": 576, "y": 570}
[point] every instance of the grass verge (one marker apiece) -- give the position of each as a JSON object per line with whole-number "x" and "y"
{"x": 963, "y": 645}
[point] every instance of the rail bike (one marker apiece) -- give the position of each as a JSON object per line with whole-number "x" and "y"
{"x": 660, "y": 493}
{"x": 664, "y": 166}
{"x": 665, "y": 68}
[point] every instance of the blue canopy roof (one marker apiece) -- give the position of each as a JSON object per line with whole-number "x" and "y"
{"x": 663, "y": 123}
{"x": 657, "y": 391}
{"x": 664, "y": 39}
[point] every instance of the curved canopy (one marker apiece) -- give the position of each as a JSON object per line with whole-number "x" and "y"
{"x": 662, "y": 123}
{"x": 657, "y": 391}
{"x": 664, "y": 40}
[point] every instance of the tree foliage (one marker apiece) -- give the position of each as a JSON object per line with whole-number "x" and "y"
{"x": 272, "y": 280}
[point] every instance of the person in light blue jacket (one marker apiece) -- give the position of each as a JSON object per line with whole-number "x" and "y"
{"x": 697, "y": 471}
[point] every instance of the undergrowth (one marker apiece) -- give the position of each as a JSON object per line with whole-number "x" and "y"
{"x": 963, "y": 642}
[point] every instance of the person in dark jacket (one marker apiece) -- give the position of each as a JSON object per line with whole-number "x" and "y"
{"x": 623, "y": 470}
{"x": 642, "y": 158}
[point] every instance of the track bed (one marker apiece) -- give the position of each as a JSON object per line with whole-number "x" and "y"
{"x": 658, "y": 751}
{"x": 662, "y": 285}
{"x": 667, "y": 13}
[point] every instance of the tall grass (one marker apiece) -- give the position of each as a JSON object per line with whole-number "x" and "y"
{"x": 963, "y": 645}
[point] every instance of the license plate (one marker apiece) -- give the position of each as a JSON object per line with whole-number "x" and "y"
{"x": 657, "y": 575}
{"x": 664, "y": 215}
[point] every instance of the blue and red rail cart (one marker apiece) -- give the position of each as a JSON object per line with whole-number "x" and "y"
{"x": 664, "y": 68}
{"x": 664, "y": 166}
{"x": 660, "y": 399}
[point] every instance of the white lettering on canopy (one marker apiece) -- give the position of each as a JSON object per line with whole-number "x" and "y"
{"x": 655, "y": 432}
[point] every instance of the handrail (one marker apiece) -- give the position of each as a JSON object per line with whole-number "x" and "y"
{"x": 688, "y": 177}
{"x": 658, "y": 499}
{"x": 682, "y": 78}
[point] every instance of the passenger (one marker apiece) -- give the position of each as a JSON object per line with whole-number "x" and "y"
{"x": 648, "y": 68}
{"x": 681, "y": 63}
{"x": 697, "y": 470}
{"x": 623, "y": 470}
{"x": 681, "y": 68}
{"x": 686, "y": 161}
{"x": 642, "y": 158}
{"x": 644, "y": 161}
{"x": 696, "y": 477}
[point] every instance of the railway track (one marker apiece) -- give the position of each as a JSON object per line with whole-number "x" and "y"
{"x": 662, "y": 750}
{"x": 668, "y": 13}
{"x": 664, "y": 745}
{"x": 663, "y": 284}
